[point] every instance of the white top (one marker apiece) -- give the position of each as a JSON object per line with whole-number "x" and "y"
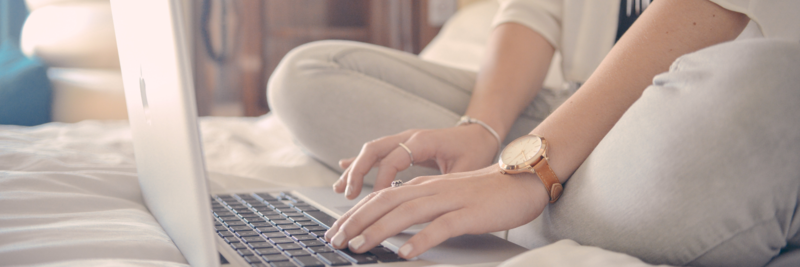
{"x": 583, "y": 31}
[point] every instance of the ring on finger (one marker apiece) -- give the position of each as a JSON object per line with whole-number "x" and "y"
{"x": 397, "y": 183}
{"x": 409, "y": 153}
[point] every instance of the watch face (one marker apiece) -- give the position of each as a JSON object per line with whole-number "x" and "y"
{"x": 521, "y": 150}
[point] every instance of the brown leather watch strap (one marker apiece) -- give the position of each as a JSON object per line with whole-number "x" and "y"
{"x": 549, "y": 179}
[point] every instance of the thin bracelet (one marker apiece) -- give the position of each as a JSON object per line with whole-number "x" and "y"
{"x": 470, "y": 120}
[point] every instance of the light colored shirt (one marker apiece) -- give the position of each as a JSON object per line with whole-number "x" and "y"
{"x": 583, "y": 31}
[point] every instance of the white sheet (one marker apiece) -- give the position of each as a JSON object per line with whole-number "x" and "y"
{"x": 69, "y": 194}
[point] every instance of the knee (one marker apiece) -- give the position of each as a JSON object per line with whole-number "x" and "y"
{"x": 740, "y": 69}
{"x": 293, "y": 80}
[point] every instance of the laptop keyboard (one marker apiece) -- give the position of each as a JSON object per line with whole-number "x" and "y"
{"x": 281, "y": 230}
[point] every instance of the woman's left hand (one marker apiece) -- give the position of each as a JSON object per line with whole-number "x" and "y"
{"x": 475, "y": 202}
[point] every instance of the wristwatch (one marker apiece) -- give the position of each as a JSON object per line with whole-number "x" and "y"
{"x": 529, "y": 154}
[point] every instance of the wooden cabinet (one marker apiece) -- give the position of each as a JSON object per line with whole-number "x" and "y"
{"x": 256, "y": 34}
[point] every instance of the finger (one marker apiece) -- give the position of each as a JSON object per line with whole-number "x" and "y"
{"x": 335, "y": 227}
{"x": 339, "y": 185}
{"x": 344, "y": 163}
{"x": 372, "y": 210}
{"x": 412, "y": 212}
{"x": 446, "y": 226}
{"x": 421, "y": 148}
{"x": 370, "y": 154}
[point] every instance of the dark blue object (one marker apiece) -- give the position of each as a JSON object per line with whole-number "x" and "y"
{"x": 25, "y": 92}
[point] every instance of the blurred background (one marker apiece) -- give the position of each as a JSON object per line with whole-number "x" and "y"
{"x": 58, "y": 58}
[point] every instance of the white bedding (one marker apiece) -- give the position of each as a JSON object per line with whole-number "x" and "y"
{"x": 69, "y": 194}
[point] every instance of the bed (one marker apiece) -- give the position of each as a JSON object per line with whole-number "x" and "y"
{"x": 69, "y": 194}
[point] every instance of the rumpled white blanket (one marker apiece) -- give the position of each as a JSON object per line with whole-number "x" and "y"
{"x": 69, "y": 194}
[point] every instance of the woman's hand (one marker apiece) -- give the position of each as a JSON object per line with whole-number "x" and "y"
{"x": 473, "y": 202}
{"x": 456, "y": 149}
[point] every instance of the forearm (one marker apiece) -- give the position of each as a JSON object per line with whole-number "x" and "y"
{"x": 667, "y": 30}
{"x": 511, "y": 74}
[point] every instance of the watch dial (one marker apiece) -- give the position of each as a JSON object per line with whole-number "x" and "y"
{"x": 521, "y": 150}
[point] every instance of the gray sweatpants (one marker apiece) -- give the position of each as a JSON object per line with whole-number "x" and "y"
{"x": 704, "y": 169}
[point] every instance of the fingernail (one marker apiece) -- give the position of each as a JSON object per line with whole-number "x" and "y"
{"x": 348, "y": 191}
{"x": 356, "y": 242}
{"x": 338, "y": 240}
{"x": 405, "y": 249}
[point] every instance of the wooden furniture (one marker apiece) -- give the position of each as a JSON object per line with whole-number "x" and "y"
{"x": 258, "y": 33}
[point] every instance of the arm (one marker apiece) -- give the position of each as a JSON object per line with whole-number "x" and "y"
{"x": 667, "y": 30}
{"x": 512, "y": 73}
{"x": 484, "y": 200}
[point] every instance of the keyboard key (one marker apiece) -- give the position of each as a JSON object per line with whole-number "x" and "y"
{"x": 283, "y": 264}
{"x": 258, "y": 264}
{"x": 275, "y": 217}
{"x": 242, "y": 227}
{"x": 245, "y": 252}
{"x": 297, "y": 232}
{"x": 268, "y": 251}
{"x": 229, "y": 218}
{"x": 306, "y": 208}
{"x": 281, "y": 240}
{"x": 312, "y": 243}
{"x": 260, "y": 207}
{"x": 251, "y": 216}
{"x": 381, "y": 250}
{"x": 303, "y": 237}
{"x": 238, "y": 245}
{"x": 275, "y": 257}
{"x": 221, "y": 228}
{"x": 289, "y": 246}
{"x": 282, "y": 222}
{"x": 252, "y": 259}
{"x": 235, "y": 223}
{"x": 247, "y": 233}
{"x": 320, "y": 249}
{"x": 360, "y": 258}
{"x": 307, "y": 223}
{"x": 334, "y": 259}
{"x": 265, "y": 196}
{"x": 320, "y": 234}
{"x": 297, "y": 252}
{"x": 316, "y": 228}
{"x": 225, "y": 234}
{"x": 253, "y": 239}
{"x": 288, "y": 227}
{"x": 300, "y": 219}
{"x": 260, "y": 245}
{"x": 389, "y": 257}
{"x": 231, "y": 239}
{"x": 321, "y": 217}
{"x": 275, "y": 234}
{"x": 268, "y": 229}
{"x": 293, "y": 214}
{"x": 309, "y": 261}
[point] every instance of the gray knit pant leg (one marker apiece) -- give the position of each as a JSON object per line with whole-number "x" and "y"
{"x": 703, "y": 170}
{"x": 336, "y": 95}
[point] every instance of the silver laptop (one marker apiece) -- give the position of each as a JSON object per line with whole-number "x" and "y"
{"x": 270, "y": 227}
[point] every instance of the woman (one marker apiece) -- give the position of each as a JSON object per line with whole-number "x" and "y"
{"x": 700, "y": 170}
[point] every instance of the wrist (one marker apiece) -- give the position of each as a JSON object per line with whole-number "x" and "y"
{"x": 467, "y": 120}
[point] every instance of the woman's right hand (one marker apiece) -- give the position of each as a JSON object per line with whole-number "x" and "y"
{"x": 456, "y": 149}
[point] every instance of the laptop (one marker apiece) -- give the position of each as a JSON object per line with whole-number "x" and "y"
{"x": 269, "y": 227}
